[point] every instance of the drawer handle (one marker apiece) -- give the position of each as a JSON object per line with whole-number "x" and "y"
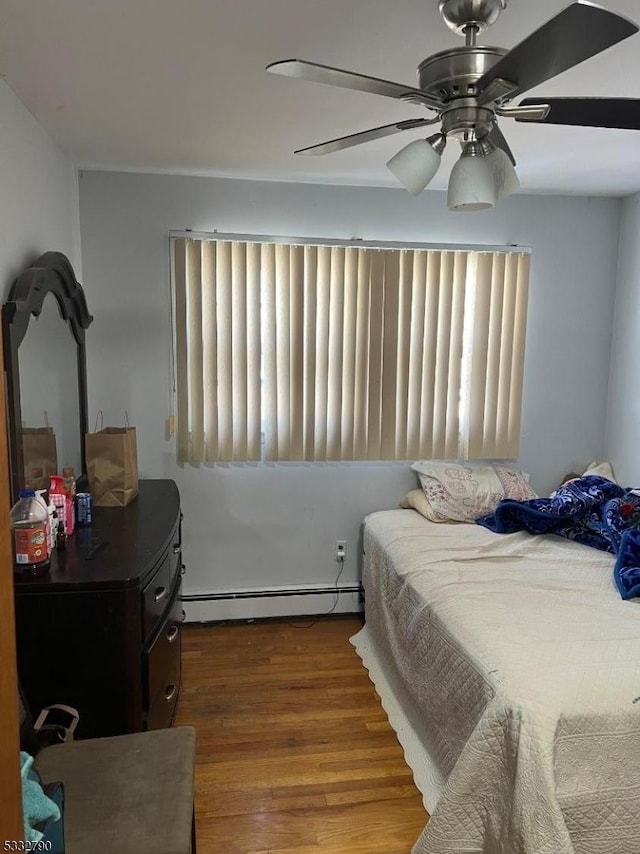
{"x": 170, "y": 692}
{"x": 172, "y": 634}
{"x": 160, "y": 594}
{"x": 184, "y": 615}
{"x": 183, "y": 569}
{"x": 177, "y": 548}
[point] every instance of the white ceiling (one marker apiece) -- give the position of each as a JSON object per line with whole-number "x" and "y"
{"x": 179, "y": 86}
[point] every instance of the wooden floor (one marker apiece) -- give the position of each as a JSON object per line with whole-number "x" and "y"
{"x": 295, "y": 755}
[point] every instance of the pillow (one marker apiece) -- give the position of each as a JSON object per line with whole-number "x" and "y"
{"x": 601, "y": 469}
{"x": 459, "y": 492}
{"x": 415, "y": 499}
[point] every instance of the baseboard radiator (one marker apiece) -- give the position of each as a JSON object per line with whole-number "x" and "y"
{"x": 272, "y": 602}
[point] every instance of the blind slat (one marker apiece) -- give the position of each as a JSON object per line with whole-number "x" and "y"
{"x": 348, "y": 396}
{"x": 296, "y": 324}
{"x": 322, "y": 352}
{"x": 490, "y": 420}
{"x": 506, "y": 352}
{"x": 336, "y": 341}
{"x": 390, "y": 355}
{"x": 416, "y": 344}
{"x": 283, "y": 351}
{"x": 443, "y": 340}
{"x": 210, "y": 354}
{"x": 239, "y": 349}
{"x": 310, "y": 319}
{"x": 361, "y": 365}
{"x": 182, "y": 381}
{"x": 194, "y": 327}
{"x": 405, "y": 285}
{"x": 225, "y": 352}
{"x": 454, "y": 379}
{"x": 376, "y": 307}
{"x": 254, "y": 351}
{"x": 517, "y": 368}
{"x": 477, "y": 332}
{"x": 269, "y": 352}
{"x": 429, "y": 350}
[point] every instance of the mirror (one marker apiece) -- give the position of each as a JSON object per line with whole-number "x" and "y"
{"x": 47, "y": 360}
{"x": 44, "y": 354}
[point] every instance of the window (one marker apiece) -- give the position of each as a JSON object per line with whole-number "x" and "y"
{"x": 347, "y": 352}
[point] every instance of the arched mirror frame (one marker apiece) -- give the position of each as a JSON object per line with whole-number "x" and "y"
{"x": 51, "y": 273}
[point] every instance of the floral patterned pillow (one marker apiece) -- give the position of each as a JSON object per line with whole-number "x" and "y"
{"x": 415, "y": 499}
{"x": 461, "y": 493}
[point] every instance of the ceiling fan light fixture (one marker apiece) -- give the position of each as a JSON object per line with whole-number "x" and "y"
{"x": 416, "y": 164}
{"x": 472, "y": 186}
{"x": 504, "y": 175}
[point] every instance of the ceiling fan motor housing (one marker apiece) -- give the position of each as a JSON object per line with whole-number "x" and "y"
{"x": 461, "y": 15}
{"x": 454, "y": 73}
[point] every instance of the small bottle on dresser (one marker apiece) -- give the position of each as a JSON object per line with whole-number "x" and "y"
{"x": 69, "y": 484}
{"x": 40, "y": 493}
{"x": 61, "y": 538}
{"x": 58, "y": 498}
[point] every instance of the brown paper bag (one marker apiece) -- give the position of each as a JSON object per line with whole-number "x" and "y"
{"x": 39, "y": 456}
{"x": 111, "y": 455}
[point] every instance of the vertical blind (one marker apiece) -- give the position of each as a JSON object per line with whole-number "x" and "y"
{"x": 347, "y": 353}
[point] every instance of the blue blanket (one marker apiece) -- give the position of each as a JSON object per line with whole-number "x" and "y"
{"x": 590, "y": 510}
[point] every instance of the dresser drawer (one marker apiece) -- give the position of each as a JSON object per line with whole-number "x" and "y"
{"x": 157, "y": 593}
{"x": 161, "y": 662}
{"x": 161, "y": 714}
{"x": 163, "y": 705}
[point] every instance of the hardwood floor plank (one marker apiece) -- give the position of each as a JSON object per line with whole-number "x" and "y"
{"x": 294, "y": 753}
{"x": 382, "y": 793}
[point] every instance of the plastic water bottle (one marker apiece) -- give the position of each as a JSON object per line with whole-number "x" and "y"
{"x": 29, "y": 534}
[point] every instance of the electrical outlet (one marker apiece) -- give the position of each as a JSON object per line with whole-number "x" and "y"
{"x": 341, "y": 550}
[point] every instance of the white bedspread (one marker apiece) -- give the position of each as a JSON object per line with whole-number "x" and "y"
{"x": 519, "y": 668}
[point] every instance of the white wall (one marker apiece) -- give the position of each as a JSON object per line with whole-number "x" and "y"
{"x": 38, "y": 193}
{"x": 623, "y": 409}
{"x": 265, "y": 525}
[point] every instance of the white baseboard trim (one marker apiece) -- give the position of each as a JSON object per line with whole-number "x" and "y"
{"x": 247, "y": 607}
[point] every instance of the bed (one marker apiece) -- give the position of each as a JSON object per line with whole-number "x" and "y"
{"x": 510, "y": 669}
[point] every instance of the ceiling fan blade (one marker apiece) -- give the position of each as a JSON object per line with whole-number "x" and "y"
{"x": 497, "y": 138}
{"x": 304, "y": 70}
{"x": 580, "y": 31}
{"x": 365, "y": 136}
{"x": 621, "y": 113}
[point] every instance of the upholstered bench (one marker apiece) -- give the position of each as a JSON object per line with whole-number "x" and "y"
{"x": 130, "y": 794}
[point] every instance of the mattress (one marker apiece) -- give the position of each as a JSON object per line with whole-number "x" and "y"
{"x": 510, "y": 669}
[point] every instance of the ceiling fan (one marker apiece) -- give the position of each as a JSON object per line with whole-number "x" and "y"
{"x": 469, "y": 88}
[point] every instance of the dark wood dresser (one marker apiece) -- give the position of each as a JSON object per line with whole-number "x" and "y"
{"x": 101, "y": 631}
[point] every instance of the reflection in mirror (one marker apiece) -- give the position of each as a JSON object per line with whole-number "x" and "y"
{"x": 49, "y": 403}
{"x": 43, "y": 329}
